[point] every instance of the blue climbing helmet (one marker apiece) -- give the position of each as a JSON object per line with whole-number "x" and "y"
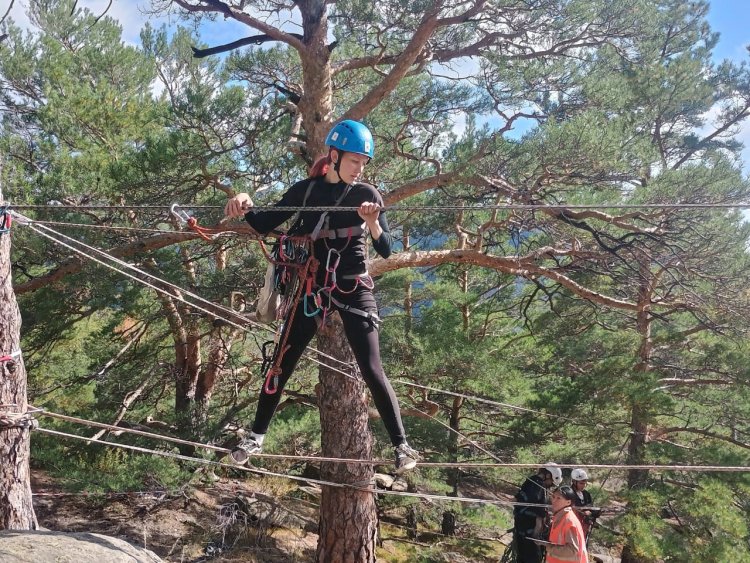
{"x": 351, "y": 136}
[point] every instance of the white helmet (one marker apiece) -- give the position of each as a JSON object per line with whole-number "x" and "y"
{"x": 579, "y": 475}
{"x": 555, "y": 471}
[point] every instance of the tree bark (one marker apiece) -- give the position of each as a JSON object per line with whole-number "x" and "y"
{"x": 348, "y": 517}
{"x": 16, "y": 509}
{"x": 639, "y": 421}
{"x": 408, "y": 297}
{"x": 454, "y": 474}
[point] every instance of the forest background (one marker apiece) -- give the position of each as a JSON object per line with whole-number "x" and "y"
{"x": 621, "y": 331}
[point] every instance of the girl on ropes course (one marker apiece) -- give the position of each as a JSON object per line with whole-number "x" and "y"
{"x": 343, "y": 284}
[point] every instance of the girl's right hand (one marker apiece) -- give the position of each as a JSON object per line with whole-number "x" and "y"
{"x": 238, "y": 205}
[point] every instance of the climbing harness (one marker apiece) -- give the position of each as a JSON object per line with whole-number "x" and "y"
{"x": 293, "y": 265}
{"x": 290, "y": 277}
{"x": 322, "y": 297}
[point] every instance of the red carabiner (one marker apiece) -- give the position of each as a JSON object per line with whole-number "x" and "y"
{"x": 272, "y": 381}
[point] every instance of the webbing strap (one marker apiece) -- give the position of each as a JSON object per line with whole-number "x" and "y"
{"x": 372, "y": 317}
{"x": 355, "y": 276}
{"x": 322, "y": 225}
{"x": 344, "y": 232}
{"x": 294, "y": 223}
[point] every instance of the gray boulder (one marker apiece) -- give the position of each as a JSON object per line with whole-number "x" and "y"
{"x": 38, "y": 546}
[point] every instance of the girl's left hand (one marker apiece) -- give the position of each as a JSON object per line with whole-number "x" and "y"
{"x": 369, "y": 212}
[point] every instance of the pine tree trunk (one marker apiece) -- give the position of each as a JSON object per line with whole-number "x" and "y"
{"x": 639, "y": 422}
{"x": 454, "y": 474}
{"x": 16, "y": 509}
{"x": 348, "y": 517}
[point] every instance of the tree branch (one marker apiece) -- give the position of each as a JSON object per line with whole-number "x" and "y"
{"x": 215, "y": 6}
{"x": 699, "y": 431}
{"x": 510, "y": 265}
{"x": 252, "y": 40}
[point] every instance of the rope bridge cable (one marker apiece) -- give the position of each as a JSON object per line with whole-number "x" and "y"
{"x": 264, "y": 472}
{"x": 693, "y": 468}
{"x": 267, "y": 473}
{"x": 234, "y": 314}
{"x": 487, "y": 401}
{"x": 109, "y": 227}
{"x": 29, "y": 222}
{"x": 432, "y": 208}
{"x": 45, "y": 232}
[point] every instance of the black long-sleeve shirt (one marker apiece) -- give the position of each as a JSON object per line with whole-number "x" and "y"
{"x": 324, "y": 194}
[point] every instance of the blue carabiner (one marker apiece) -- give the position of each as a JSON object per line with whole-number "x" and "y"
{"x": 306, "y": 310}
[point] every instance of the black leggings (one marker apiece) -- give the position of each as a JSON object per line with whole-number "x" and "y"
{"x": 365, "y": 343}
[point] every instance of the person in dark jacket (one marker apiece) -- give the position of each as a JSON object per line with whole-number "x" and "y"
{"x": 528, "y": 521}
{"x": 578, "y": 481}
{"x": 342, "y": 283}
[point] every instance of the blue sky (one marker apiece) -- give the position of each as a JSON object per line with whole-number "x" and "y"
{"x": 730, "y": 18}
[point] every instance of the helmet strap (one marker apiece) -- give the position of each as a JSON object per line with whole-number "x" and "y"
{"x": 337, "y": 164}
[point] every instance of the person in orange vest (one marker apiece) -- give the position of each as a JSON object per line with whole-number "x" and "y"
{"x": 567, "y": 543}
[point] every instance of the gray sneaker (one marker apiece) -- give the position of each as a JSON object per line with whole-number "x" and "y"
{"x": 242, "y": 452}
{"x": 406, "y": 458}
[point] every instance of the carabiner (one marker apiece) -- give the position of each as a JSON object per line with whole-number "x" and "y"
{"x": 179, "y": 213}
{"x": 271, "y": 384}
{"x": 306, "y": 309}
{"x": 330, "y": 268}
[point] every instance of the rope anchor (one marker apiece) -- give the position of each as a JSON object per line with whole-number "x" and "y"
{"x": 24, "y": 421}
{"x": 182, "y": 216}
{"x": 10, "y": 361}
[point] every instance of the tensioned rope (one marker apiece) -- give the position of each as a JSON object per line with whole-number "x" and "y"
{"x": 45, "y": 232}
{"x": 27, "y": 221}
{"x": 624, "y": 467}
{"x": 30, "y": 223}
{"x": 110, "y": 227}
{"x": 433, "y": 208}
{"x": 487, "y": 401}
{"x": 355, "y": 486}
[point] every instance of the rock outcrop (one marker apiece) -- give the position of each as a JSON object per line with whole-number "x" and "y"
{"x": 38, "y": 546}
